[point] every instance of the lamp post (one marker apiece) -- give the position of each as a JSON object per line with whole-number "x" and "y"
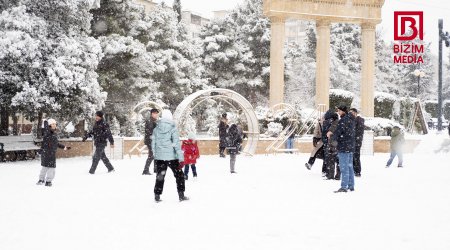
{"x": 443, "y": 37}
{"x": 419, "y": 74}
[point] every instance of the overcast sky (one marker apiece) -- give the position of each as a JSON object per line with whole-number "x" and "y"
{"x": 433, "y": 10}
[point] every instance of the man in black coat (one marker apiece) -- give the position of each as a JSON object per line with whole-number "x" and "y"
{"x": 359, "y": 135}
{"x": 223, "y": 126}
{"x": 101, "y": 133}
{"x": 150, "y": 124}
{"x": 48, "y": 153}
{"x": 344, "y": 135}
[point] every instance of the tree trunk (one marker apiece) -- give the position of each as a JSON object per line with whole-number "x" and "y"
{"x": 4, "y": 121}
{"x": 15, "y": 126}
{"x": 39, "y": 126}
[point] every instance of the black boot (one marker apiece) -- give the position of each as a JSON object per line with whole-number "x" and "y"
{"x": 48, "y": 183}
{"x": 157, "y": 198}
{"x": 182, "y": 197}
{"x": 341, "y": 190}
{"x": 40, "y": 182}
{"x": 146, "y": 172}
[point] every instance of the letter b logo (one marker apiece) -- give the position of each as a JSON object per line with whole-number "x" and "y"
{"x": 408, "y": 19}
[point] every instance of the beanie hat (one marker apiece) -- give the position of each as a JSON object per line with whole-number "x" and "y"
{"x": 99, "y": 114}
{"x": 166, "y": 114}
{"x": 191, "y": 136}
{"x": 51, "y": 121}
{"x": 343, "y": 108}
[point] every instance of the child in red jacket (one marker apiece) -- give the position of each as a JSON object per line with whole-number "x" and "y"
{"x": 191, "y": 154}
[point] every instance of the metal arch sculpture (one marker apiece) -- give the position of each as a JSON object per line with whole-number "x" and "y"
{"x": 186, "y": 107}
{"x": 144, "y": 106}
{"x": 290, "y": 128}
{"x": 138, "y": 109}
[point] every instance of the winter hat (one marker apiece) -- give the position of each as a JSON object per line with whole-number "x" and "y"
{"x": 99, "y": 114}
{"x": 191, "y": 136}
{"x": 154, "y": 111}
{"x": 354, "y": 110}
{"x": 224, "y": 115}
{"x": 166, "y": 114}
{"x": 343, "y": 108}
{"x": 51, "y": 121}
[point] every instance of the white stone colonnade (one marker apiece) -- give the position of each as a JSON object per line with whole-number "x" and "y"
{"x": 366, "y": 13}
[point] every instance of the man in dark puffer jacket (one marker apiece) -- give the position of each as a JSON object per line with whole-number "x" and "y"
{"x": 101, "y": 133}
{"x": 345, "y": 138}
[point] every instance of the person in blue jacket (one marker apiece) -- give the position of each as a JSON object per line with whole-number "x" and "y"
{"x": 167, "y": 152}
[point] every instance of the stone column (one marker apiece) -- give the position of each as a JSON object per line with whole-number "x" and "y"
{"x": 323, "y": 62}
{"x": 277, "y": 60}
{"x": 367, "y": 69}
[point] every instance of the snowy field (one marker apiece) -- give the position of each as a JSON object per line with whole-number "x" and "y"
{"x": 273, "y": 202}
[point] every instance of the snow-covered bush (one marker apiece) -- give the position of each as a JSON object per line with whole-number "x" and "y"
{"x": 274, "y": 129}
{"x": 380, "y": 126}
{"x": 431, "y": 106}
{"x": 340, "y": 96}
{"x": 446, "y": 111}
{"x": 384, "y": 104}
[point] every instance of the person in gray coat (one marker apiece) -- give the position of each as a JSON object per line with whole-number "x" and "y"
{"x": 167, "y": 152}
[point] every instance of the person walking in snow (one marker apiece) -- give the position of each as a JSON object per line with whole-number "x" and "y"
{"x": 223, "y": 126}
{"x": 359, "y": 136}
{"x": 101, "y": 134}
{"x": 317, "y": 152}
{"x": 150, "y": 124}
{"x": 191, "y": 154}
{"x": 397, "y": 140}
{"x": 234, "y": 140}
{"x": 167, "y": 152}
{"x": 48, "y": 153}
{"x": 344, "y": 135}
{"x": 331, "y": 120}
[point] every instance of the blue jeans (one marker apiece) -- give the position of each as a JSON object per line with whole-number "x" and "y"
{"x": 347, "y": 173}
{"x": 290, "y": 143}
{"x": 186, "y": 169}
{"x": 393, "y": 154}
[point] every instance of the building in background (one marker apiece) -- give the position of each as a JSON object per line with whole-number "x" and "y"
{"x": 193, "y": 21}
{"x": 295, "y": 31}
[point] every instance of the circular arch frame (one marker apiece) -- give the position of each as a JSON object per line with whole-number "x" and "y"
{"x": 188, "y": 104}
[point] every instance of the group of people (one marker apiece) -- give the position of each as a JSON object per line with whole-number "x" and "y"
{"x": 161, "y": 138}
{"x": 230, "y": 138}
{"x": 337, "y": 140}
{"x": 164, "y": 148}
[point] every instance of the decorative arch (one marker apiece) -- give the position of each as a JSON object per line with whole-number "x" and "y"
{"x": 234, "y": 99}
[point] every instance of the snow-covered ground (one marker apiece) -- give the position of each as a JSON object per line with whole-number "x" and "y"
{"x": 273, "y": 202}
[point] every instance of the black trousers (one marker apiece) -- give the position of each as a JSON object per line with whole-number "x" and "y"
{"x": 331, "y": 162}
{"x": 357, "y": 160}
{"x": 149, "y": 160}
{"x": 100, "y": 155}
{"x": 222, "y": 150}
{"x": 161, "y": 167}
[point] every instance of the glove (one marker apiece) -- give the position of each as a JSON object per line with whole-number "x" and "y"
{"x": 315, "y": 141}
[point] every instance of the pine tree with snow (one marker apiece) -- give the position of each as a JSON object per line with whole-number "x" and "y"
{"x": 236, "y": 51}
{"x": 177, "y": 9}
{"x": 53, "y": 60}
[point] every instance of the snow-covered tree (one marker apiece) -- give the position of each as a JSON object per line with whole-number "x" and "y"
{"x": 177, "y": 9}
{"x": 236, "y": 51}
{"x": 49, "y": 61}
